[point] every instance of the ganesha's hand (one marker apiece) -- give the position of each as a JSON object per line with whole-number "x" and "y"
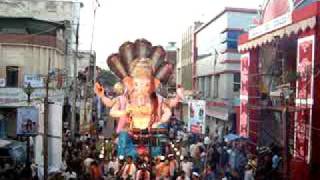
{"x": 99, "y": 90}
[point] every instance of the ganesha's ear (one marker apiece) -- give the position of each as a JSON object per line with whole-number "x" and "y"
{"x": 128, "y": 82}
{"x": 156, "y": 83}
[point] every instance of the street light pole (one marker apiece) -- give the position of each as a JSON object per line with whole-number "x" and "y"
{"x": 75, "y": 87}
{"x": 28, "y": 90}
{"x": 45, "y": 124}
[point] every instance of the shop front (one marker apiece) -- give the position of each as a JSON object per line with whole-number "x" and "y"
{"x": 279, "y": 84}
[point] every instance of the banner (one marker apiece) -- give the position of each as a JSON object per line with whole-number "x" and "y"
{"x": 304, "y": 98}
{"x": 27, "y": 121}
{"x": 35, "y": 80}
{"x": 276, "y": 14}
{"x": 197, "y": 116}
{"x": 245, "y": 60}
{"x": 305, "y": 66}
{"x": 243, "y": 125}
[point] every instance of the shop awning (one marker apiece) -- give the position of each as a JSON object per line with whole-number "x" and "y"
{"x": 218, "y": 112}
{"x": 285, "y": 31}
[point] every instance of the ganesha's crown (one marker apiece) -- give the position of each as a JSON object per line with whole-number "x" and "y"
{"x": 140, "y": 59}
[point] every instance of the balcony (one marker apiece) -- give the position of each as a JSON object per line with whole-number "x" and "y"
{"x": 40, "y": 40}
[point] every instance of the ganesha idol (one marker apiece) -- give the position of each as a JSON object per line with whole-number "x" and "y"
{"x": 142, "y": 69}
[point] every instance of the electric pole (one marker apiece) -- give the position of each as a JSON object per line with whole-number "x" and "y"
{"x": 45, "y": 124}
{"x": 75, "y": 86}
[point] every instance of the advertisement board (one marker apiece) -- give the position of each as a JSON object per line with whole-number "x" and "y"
{"x": 245, "y": 60}
{"x": 27, "y": 121}
{"x": 305, "y": 65}
{"x": 197, "y": 116}
{"x": 243, "y": 125}
{"x": 35, "y": 80}
{"x": 304, "y": 97}
{"x": 276, "y": 14}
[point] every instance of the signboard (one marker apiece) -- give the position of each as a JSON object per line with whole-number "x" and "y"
{"x": 305, "y": 66}
{"x": 243, "y": 125}
{"x": 2, "y": 82}
{"x": 244, "y": 76}
{"x": 27, "y": 121}
{"x": 196, "y": 115}
{"x": 304, "y": 97}
{"x": 272, "y": 25}
{"x": 276, "y": 14}
{"x": 35, "y": 80}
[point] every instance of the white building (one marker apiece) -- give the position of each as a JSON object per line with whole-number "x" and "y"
{"x": 62, "y": 11}
{"x": 37, "y": 38}
{"x": 184, "y": 67}
{"x": 216, "y": 71}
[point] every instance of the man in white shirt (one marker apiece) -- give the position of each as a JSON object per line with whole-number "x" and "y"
{"x": 114, "y": 164}
{"x": 186, "y": 166}
{"x": 193, "y": 148}
{"x": 129, "y": 169}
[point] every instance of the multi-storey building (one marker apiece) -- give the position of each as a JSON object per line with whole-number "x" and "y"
{"x": 216, "y": 67}
{"x": 280, "y": 85}
{"x": 184, "y": 67}
{"x": 30, "y": 49}
{"x": 62, "y": 11}
{"x": 36, "y": 42}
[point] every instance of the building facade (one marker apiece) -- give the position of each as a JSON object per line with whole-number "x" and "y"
{"x": 184, "y": 68}
{"x": 280, "y": 85}
{"x": 216, "y": 67}
{"x": 63, "y": 11}
{"x": 36, "y": 44}
{"x": 28, "y": 59}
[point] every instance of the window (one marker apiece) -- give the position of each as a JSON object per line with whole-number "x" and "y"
{"x": 51, "y": 6}
{"x": 232, "y": 44}
{"x": 233, "y": 34}
{"x": 232, "y": 39}
{"x": 208, "y": 86}
{"x": 216, "y": 86}
{"x": 12, "y": 77}
{"x": 236, "y": 82}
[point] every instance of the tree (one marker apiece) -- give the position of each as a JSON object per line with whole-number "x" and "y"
{"x": 107, "y": 78}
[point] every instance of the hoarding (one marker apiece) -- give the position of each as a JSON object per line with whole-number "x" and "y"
{"x": 27, "y": 121}
{"x": 196, "y": 115}
{"x": 244, "y": 67}
{"x": 243, "y": 125}
{"x": 276, "y": 14}
{"x": 35, "y": 80}
{"x": 304, "y": 97}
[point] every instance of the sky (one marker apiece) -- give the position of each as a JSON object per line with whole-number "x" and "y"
{"x": 160, "y": 22}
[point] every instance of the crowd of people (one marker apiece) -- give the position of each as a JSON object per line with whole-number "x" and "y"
{"x": 185, "y": 156}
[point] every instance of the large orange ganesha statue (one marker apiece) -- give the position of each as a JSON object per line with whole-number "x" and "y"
{"x": 142, "y": 69}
